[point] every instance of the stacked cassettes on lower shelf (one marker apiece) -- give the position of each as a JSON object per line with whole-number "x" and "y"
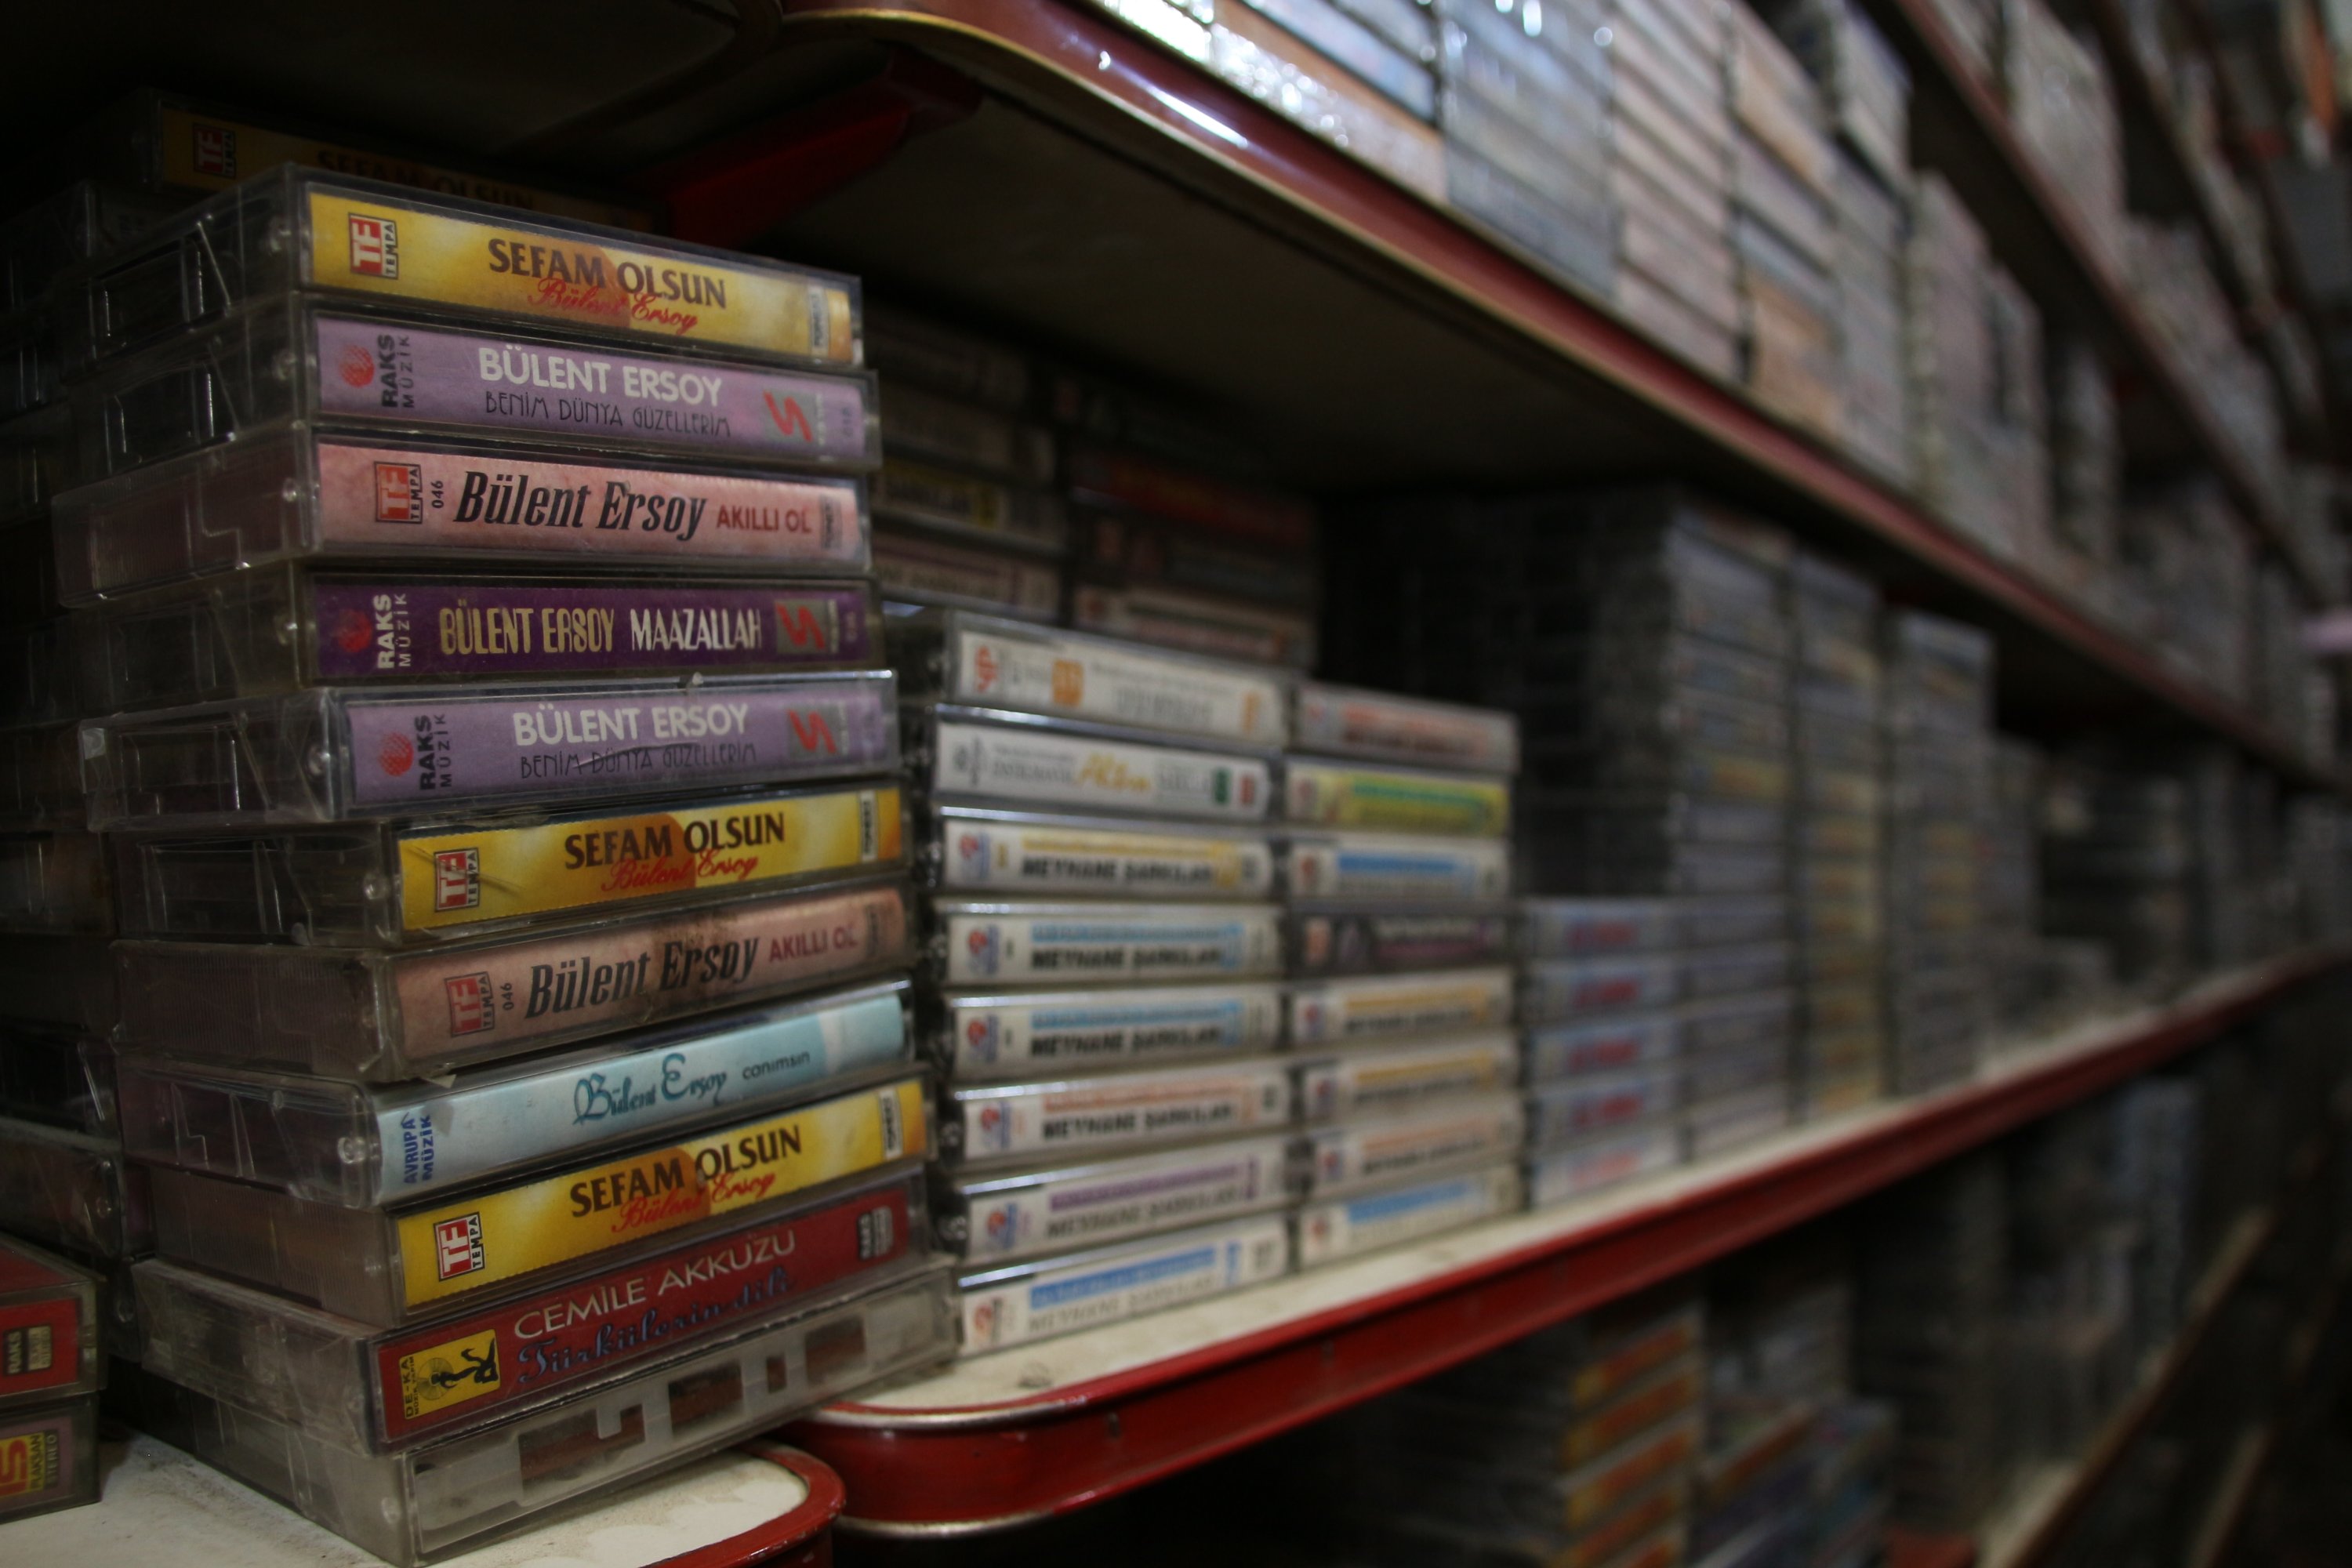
{"x": 1838, "y": 834}
{"x": 1103, "y": 968}
{"x": 1940, "y": 778}
{"x": 1398, "y": 875}
{"x": 52, "y": 1362}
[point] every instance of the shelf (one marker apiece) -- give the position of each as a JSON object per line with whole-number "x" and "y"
{"x": 1042, "y": 1430}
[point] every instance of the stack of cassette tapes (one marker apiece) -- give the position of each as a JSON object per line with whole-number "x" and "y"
{"x": 51, "y": 1366}
{"x": 1670, "y": 176}
{"x": 480, "y": 621}
{"x": 1102, "y": 963}
{"x": 965, "y": 512}
{"x": 2087, "y": 474}
{"x": 1865, "y": 84}
{"x": 1782, "y": 168}
{"x": 1397, "y": 866}
{"x": 2061, "y": 99}
{"x": 2017, "y": 968}
{"x": 1939, "y": 782}
{"x": 2017, "y": 425}
{"x": 2117, "y": 853}
{"x": 1523, "y": 99}
{"x": 1951, "y": 355}
{"x": 1838, "y": 834}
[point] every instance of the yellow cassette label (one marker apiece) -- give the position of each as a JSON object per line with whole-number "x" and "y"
{"x": 1408, "y": 803}
{"x": 400, "y": 251}
{"x": 30, "y": 1462}
{"x": 439, "y": 1376}
{"x": 205, "y": 152}
{"x": 464, "y": 877}
{"x": 469, "y": 1244}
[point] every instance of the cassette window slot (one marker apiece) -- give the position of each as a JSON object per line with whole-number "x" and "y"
{"x": 568, "y": 1449}
{"x": 148, "y": 297}
{"x": 704, "y": 1396}
{"x": 176, "y": 410}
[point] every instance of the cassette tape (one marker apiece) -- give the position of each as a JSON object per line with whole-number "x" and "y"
{"x": 381, "y": 1391}
{"x": 974, "y": 850}
{"x": 1329, "y": 794}
{"x": 1015, "y": 1304}
{"x": 358, "y": 1016}
{"x": 920, "y": 350}
{"x": 370, "y": 884}
{"x": 1572, "y": 128}
{"x": 54, "y": 882}
{"x": 1561, "y": 989}
{"x": 1139, "y": 552}
{"x": 48, "y": 1454}
{"x": 72, "y": 1191}
{"x": 46, "y": 677}
{"x": 1037, "y": 1119}
{"x": 1348, "y": 721}
{"x": 87, "y": 219}
{"x": 927, "y": 424}
{"x": 1612, "y": 1043}
{"x": 296, "y": 231}
{"x": 29, "y": 363}
{"x": 58, "y": 1076}
{"x": 1391, "y": 1006}
{"x": 305, "y": 494}
{"x": 911, "y": 566}
{"x": 365, "y": 1148}
{"x": 49, "y": 1345}
{"x": 1341, "y": 941}
{"x": 36, "y": 464}
{"x": 388, "y": 1268}
{"x": 1379, "y": 1080}
{"x": 1590, "y": 1104}
{"x": 1729, "y": 922}
{"x": 1579, "y": 928}
{"x": 1346, "y": 1227}
{"x": 977, "y": 942}
{"x": 1235, "y": 630}
{"x": 980, "y": 1037}
{"x": 426, "y": 1501}
{"x": 1127, "y": 481}
{"x": 1782, "y": 225}
{"x": 1736, "y": 970}
{"x": 268, "y": 632}
{"x": 40, "y": 778}
{"x": 1377, "y": 1151}
{"x": 994, "y": 1215}
{"x": 261, "y": 370}
{"x": 1406, "y": 23}
{"x": 1343, "y": 38}
{"x": 67, "y": 981}
{"x": 1734, "y": 1022}
{"x": 1388, "y": 868}
{"x": 1576, "y": 245}
{"x": 1563, "y": 1176}
{"x": 339, "y": 752}
{"x": 1292, "y": 78}
{"x": 974, "y": 754}
{"x": 1708, "y": 1077}
{"x": 1734, "y": 1121}
{"x": 965, "y": 658}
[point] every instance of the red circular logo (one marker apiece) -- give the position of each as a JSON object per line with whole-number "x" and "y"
{"x": 359, "y": 365}
{"x": 353, "y": 632}
{"x": 396, "y": 754}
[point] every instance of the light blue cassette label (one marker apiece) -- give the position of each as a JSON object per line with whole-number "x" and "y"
{"x": 1387, "y": 867}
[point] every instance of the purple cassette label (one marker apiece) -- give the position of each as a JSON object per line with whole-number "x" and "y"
{"x": 406, "y": 630}
{"x": 379, "y": 370}
{"x": 417, "y": 753}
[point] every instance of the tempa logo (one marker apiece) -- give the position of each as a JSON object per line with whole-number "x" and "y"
{"x": 375, "y": 246}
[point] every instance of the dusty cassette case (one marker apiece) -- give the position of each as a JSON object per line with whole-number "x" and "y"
{"x": 1377, "y": 1079}
{"x": 65, "y": 980}
{"x": 1710, "y": 1077}
{"x": 1228, "y": 629}
{"x": 300, "y": 494}
{"x": 1035, "y": 1119}
{"x": 380, "y": 1391}
{"x": 50, "y": 1346}
{"x": 259, "y": 370}
{"x": 1122, "y": 550}
{"x": 1362, "y": 50}
{"x": 40, "y": 777}
{"x": 1017, "y": 1213}
{"x": 961, "y": 658}
{"x": 389, "y": 1268}
{"x": 49, "y": 1455}
{"x": 1579, "y": 928}
{"x": 1332, "y": 795}
{"x": 1562, "y": 1176}
{"x": 978, "y": 849}
{"x": 977, "y": 941}
{"x": 1348, "y": 721}
{"x": 36, "y": 464}
{"x": 977, "y": 1037}
{"x": 1592, "y": 1104}
{"x": 362, "y": 1147}
{"x": 1344, "y": 1228}
{"x": 28, "y": 364}
{"x": 298, "y": 231}
{"x": 424, "y": 1501}
{"x": 58, "y": 1076}
{"x": 1325, "y": 941}
{"x": 1377, "y": 1151}
{"x": 87, "y": 220}
{"x": 909, "y": 566}
{"x": 384, "y": 1017}
{"x": 917, "y": 349}
{"x": 990, "y": 755}
{"x": 1128, "y": 481}
{"x": 923, "y": 424}
{"x": 1386, "y": 868}
{"x": 1727, "y": 921}
{"x": 1557, "y": 990}
{"x": 1608, "y": 1044}
{"x": 336, "y": 754}
{"x": 1391, "y": 1006}
{"x": 972, "y": 506}
{"x": 1005, "y": 1305}
{"x": 54, "y": 882}
{"x": 279, "y": 629}
{"x": 72, "y": 1191}
{"x": 1577, "y": 246}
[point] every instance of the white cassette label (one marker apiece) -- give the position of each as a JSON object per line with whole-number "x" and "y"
{"x": 1391, "y": 1147}
{"x": 1601, "y": 1045}
{"x": 1369, "y": 724}
{"x": 1008, "y": 763}
{"x": 1128, "y": 1108}
{"x": 1330, "y": 1231}
{"x": 1080, "y": 679}
{"x": 1588, "y": 1167}
{"x": 1395, "y": 1077}
{"x": 1135, "y": 1197}
{"x": 975, "y": 853}
{"x": 1184, "y": 1269}
{"x": 1580, "y": 1106}
{"x": 1556, "y": 991}
{"x": 1394, "y": 1006}
{"x": 1114, "y": 944}
{"x": 996, "y": 1038}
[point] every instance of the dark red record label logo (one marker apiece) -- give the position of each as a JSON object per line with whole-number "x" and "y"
{"x": 357, "y": 366}
{"x": 353, "y": 632}
{"x": 396, "y": 753}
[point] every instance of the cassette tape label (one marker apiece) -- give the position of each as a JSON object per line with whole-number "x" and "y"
{"x": 1133, "y": 1199}
{"x": 1084, "y": 680}
{"x": 1406, "y": 803}
{"x": 388, "y": 371}
{"x": 1113, "y": 944}
{"x": 1012, "y": 763}
{"x": 421, "y": 753}
{"x": 1399, "y": 868}
{"x": 402, "y": 250}
{"x": 1019, "y": 857}
{"x": 992, "y": 1035}
{"x": 468, "y": 877}
{"x": 1368, "y": 723}
{"x": 36, "y": 1458}
{"x": 1399, "y": 1005}
{"x": 369, "y": 630}
{"x": 403, "y": 498}
{"x": 1125, "y": 1109}
{"x": 1058, "y": 1300}
{"x": 470, "y": 1243}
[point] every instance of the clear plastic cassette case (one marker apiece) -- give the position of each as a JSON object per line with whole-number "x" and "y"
{"x": 988, "y": 1214}
{"x": 306, "y": 360}
{"x": 1025, "y": 760}
{"x": 1037, "y": 1119}
{"x": 388, "y": 1268}
{"x": 980, "y": 850}
{"x": 58, "y": 1076}
{"x": 55, "y": 882}
{"x": 1375, "y": 1151}
{"x": 382, "y": 1391}
{"x": 1327, "y": 942}
{"x": 304, "y": 494}
{"x": 63, "y": 982}
{"x": 1396, "y": 1006}
{"x": 386, "y": 884}
{"x": 295, "y": 231}
{"x": 1246, "y": 631}
{"x": 1396, "y": 868}
{"x": 1018, "y": 519}
{"x": 1582, "y": 1168}
{"x": 1338, "y": 1228}
{"x": 1590, "y": 1105}
{"x": 909, "y": 566}
{"x": 424, "y": 1501}
{"x": 1347, "y": 721}
{"x": 983, "y": 1036}
{"x": 986, "y": 942}
{"x": 1380, "y": 1079}
{"x": 40, "y": 778}
{"x": 72, "y": 1191}
{"x": 1607, "y": 1044}
{"x": 1013, "y": 1304}
{"x": 1561, "y": 989}
{"x": 342, "y": 752}
{"x": 362, "y": 1147}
